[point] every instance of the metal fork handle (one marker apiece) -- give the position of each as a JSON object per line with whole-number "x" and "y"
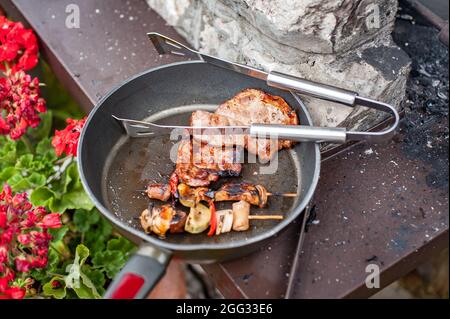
{"x": 337, "y": 95}
{"x": 302, "y": 133}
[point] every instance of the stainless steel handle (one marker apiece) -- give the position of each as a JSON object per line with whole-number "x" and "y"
{"x": 299, "y": 133}
{"x": 302, "y": 86}
{"x": 338, "y": 95}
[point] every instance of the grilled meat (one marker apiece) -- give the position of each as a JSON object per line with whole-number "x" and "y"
{"x": 158, "y": 191}
{"x": 247, "y": 107}
{"x": 253, "y": 106}
{"x": 206, "y": 165}
{"x": 161, "y": 219}
{"x": 253, "y": 194}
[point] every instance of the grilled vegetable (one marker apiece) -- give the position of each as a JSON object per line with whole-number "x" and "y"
{"x": 224, "y": 219}
{"x": 212, "y": 220}
{"x": 198, "y": 219}
{"x": 178, "y": 221}
{"x": 190, "y": 196}
{"x": 241, "y": 211}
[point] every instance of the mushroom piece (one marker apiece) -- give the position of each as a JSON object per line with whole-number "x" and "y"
{"x": 224, "y": 221}
{"x": 241, "y": 211}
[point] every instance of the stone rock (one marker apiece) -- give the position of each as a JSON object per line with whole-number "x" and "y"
{"x": 326, "y": 41}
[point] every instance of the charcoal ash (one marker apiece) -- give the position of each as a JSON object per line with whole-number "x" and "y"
{"x": 424, "y": 128}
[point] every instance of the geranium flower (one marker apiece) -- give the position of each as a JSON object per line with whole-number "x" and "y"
{"x": 66, "y": 140}
{"x": 24, "y": 241}
{"x": 18, "y": 46}
{"x": 21, "y": 103}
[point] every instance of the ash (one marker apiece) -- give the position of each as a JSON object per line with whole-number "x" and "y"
{"x": 424, "y": 128}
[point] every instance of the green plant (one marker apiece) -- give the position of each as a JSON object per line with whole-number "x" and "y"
{"x": 85, "y": 253}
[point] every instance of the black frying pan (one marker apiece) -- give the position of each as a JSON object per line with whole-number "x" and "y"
{"x": 113, "y": 166}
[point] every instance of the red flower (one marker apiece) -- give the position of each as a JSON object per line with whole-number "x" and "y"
{"x": 21, "y": 102}
{"x": 16, "y": 292}
{"x": 3, "y": 253}
{"x": 22, "y": 264}
{"x": 66, "y": 140}
{"x": 18, "y": 46}
{"x": 51, "y": 221}
{"x": 24, "y": 241}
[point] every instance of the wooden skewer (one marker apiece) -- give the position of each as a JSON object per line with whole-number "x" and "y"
{"x": 266, "y": 217}
{"x": 283, "y": 194}
{"x": 268, "y": 194}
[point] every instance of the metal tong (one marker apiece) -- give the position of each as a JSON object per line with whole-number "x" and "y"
{"x": 301, "y": 133}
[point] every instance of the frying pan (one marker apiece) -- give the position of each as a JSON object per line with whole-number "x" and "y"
{"x": 113, "y": 166}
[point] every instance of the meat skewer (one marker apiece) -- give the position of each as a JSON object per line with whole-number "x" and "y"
{"x": 254, "y": 194}
{"x": 163, "y": 219}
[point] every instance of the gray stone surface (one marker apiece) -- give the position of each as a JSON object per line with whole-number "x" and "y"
{"x": 323, "y": 40}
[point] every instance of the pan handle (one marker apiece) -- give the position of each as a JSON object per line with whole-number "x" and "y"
{"x": 141, "y": 273}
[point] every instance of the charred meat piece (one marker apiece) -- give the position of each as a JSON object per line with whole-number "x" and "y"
{"x": 158, "y": 191}
{"x": 161, "y": 219}
{"x": 253, "y": 194}
{"x": 250, "y": 106}
{"x": 253, "y": 106}
{"x": 204, "y": 167}
{"x": 223, "y": 161}
{"x": 189, "y": 173}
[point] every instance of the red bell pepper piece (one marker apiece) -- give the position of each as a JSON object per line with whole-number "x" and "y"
{"x": 213, "y": 220}
{"x": 173, "y": 184}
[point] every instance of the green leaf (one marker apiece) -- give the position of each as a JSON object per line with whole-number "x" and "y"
{"x": 7, "y": 172}
{"x": 109, "y": 261}
{"x": 96, "y": 276}
{"x": 76, "y": 199}
{"x": 58, "y": 292}
{"x": 70, "y": 177}
{"x": 18, "y": 183}
{"x": 36, "y": 180}
{"x": 58, "y": 233}
{"x": 84, "y": 291}
{"x": 44, "y": 147}
{"x": 24, "y": 161}
{"x": 41, "y": 196}
{"x": 83, "y": 219}
{"x": 72, "y": 280}
{"x": 121, "y": 244}
{"x": 97, "y": 236}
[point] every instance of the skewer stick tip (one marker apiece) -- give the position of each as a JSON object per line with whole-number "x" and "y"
{"x": 265, "y": 217}
{"x": 283, "y": 194}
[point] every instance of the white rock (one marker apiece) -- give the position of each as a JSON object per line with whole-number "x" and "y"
{"x": 323, "y": 40}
